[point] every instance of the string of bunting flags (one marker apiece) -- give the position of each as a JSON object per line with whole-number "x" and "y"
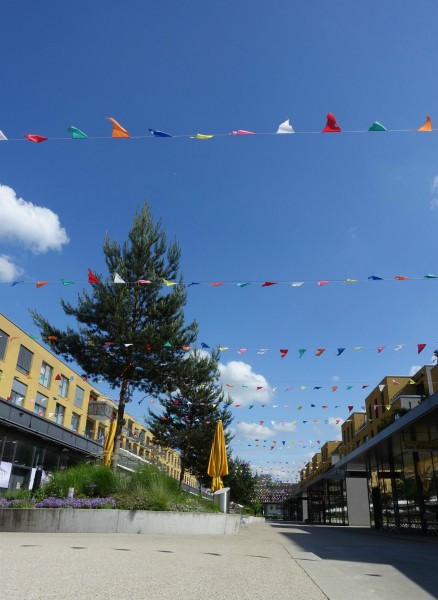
{"x": 118, "y": 280}
{"x": 286, "y": 127}
{"x": 113, "y": 345}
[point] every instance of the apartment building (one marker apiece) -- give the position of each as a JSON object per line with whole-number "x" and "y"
{"x": 51, "y": 416}
{"x": 384, "y": 472}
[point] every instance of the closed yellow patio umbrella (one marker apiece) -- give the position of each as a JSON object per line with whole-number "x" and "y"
{"x": 218, "y": 463}
{"x": 108, "y": 445}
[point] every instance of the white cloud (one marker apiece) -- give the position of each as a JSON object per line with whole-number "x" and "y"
{"x": 434, "y": 203}
{"x": 352, "y": 233}
{"x": 35, "y": 227}
{"x": 251, "y": 431}
{"x": 8, "y": 270}
{"x": 336, "y": 426}
{"x": 336, "y": 378}
{"x": 414, "y": 369}
{"x": 284, "y": 427}
{"x": 240, "y": 375}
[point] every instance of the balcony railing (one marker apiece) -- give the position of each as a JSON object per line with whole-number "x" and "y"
{"x": 100, "y": 410}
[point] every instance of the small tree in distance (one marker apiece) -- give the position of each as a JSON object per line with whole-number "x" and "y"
{"x": 190, "y": 414}
{"x": 131, "y": 334}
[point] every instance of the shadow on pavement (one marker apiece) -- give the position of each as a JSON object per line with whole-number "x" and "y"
{"x": 415, "y": 557}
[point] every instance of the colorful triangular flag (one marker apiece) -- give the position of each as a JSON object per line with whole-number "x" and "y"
{"x": 118, "y": 130}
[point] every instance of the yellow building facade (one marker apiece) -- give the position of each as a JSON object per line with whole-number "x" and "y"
{"x": 36, "y": 381}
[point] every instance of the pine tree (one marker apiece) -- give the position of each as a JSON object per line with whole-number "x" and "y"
{"x": 190, "y": 414}
{"x": 132, "y": 334}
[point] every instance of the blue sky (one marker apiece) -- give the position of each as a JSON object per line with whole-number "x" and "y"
{"x": 257, "y": 208}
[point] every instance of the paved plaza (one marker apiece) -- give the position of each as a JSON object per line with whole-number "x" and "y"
{"x": 273, "y": 561}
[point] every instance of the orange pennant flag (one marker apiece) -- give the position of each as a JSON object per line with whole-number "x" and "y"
{"x": 118, "y": 130}
{"x": 427, "y": 126}
{"x": 41, "y": 283}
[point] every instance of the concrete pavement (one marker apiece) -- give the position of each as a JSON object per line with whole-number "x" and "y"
{"x": 265, "y": 561}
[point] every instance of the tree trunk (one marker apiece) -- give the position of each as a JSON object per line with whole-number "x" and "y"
{"x": 119, "y": 426}
{"x": 181, "y": 476}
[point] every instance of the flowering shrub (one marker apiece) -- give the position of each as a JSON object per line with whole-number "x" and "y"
{"x": 60, "y": 503}
{"x": 76, "y": 503}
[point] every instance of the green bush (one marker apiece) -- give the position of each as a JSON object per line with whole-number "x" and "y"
{"x": 87, "y": 479}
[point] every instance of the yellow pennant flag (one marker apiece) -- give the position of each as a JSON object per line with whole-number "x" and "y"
{"x": 118, "y": 130}
{"x": 169, "y": 283}
{"x": 201, "y": 136}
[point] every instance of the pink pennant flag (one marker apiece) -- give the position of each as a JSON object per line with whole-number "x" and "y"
{"x": 395, "y": 382}
{"x": 261, "y": 422}
{"x": 323, "y": 282}
{"x": 379, "y": 349}
{"x": 217, "y": 283}
{"x": 283, "y": 352}
{"x": 242, "y": 350}
{"x": 421, "y": 347}
{"x": 241, "y": 132}
{"x": 143, "y": 281}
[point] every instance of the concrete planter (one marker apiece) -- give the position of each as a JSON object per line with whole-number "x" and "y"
{"x": 68, "y": 520}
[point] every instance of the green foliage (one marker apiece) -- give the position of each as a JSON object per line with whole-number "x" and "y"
{"x": 190, "y": 415}
{"x": 88, "y": 479}
{"x": 146, "y": 489}
{"x": 18, "y": 494}
{"x": 241, "y": 481}
{"x": 149, "y": 317}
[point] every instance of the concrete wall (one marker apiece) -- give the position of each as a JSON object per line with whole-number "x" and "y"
{"x": 58, "y": 520}
{"x": 358, "y": 505}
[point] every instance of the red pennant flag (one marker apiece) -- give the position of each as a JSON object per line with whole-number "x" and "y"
{"x": 261, "y": 423}
{"x": 259, "y": 387}
{"x": 325, "y": 406}
{"x": 401, "y": 278}
{"x": 41, "y": 283}
{"x": 421, "y": 347}
{"x": 186, "y": 348}
{"x": 217, "y": 283}
{"x": 52, "y": 337}
{"x": 284, "y": 352}
{"x": 331, "y": 125}
{"x": 334, "y": 388}
{"x": 32, "y": 137}
{"x": 350, "y": 408}
{"x": 319, "y": 351}
{"x": 58, "y": 377}
{"x": 92, "y": 277}
{"x": 268, "y": 283}
{"x": 148, "y": 347}
{"x": 338, "y": 421}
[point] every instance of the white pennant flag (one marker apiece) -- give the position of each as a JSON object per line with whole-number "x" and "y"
{"x": 297, "y": 283}
{"x": 399, "y": 347}
{"x": 3, "y": 138}
{"x": 285, "y": 127}
{"x": 381, "y": 387}
{"x": 118, "y": 279}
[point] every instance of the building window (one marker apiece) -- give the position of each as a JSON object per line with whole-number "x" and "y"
{"x": 18, "y": 392}
{"x": 3, "y": 343}
{"x": 63, "y": 387}
{"x": 24, "y": 361}
{"x": 45, "y": 375}
{"x": 40, "y": 405}
{"x": 59, "y": 414}
{"x": 75, "y": 418}
{"x": 79, "y": 397}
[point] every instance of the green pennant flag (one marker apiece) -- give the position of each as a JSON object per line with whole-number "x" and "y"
{"x": 429, "y": 276}
{"x": 376, "y": 126}
{"x": 76, "y": 133}
{"x": 67, "y": 282}
{"x": 301, "y": 351}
